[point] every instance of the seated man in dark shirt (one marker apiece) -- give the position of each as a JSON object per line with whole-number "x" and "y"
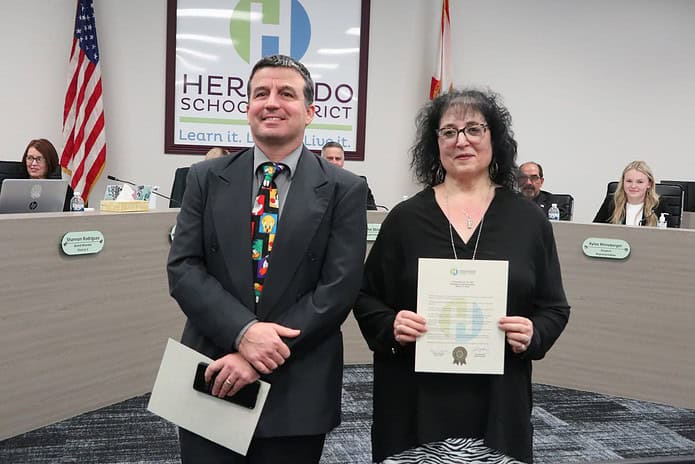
{"x": 530, "y": 181}
{"x": 333, "y": 153}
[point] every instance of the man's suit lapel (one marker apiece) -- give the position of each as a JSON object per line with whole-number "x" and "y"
{"x": 230, "y": 191}
{"x": 302, "y": 213}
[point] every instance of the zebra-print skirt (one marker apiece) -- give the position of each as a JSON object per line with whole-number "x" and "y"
{"x": 451, "y": 451}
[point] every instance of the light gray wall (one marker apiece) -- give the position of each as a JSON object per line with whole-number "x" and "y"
{"x": 591, "y": 85}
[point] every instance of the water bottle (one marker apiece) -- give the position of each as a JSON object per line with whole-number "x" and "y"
{"x": 77, "y": 203}
{"x": 554, "y": 212}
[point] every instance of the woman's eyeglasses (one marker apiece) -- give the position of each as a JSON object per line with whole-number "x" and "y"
{"x": 35, "y": 159}
{"x": 473, "y": 133}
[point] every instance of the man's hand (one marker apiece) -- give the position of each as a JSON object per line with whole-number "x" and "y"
{"x": 262, "y": 346}
{"x": 234, "y": 374}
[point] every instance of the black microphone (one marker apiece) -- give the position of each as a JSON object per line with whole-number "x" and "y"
{"x": 137, "y": 185}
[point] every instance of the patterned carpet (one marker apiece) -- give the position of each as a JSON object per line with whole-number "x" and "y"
{"x": 570, "y": 426}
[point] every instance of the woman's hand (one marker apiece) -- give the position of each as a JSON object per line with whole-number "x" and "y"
{"x": 519, "y": 331}
{"x": 408, "y": 326}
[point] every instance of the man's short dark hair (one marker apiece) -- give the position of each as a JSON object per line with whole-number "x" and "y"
{"x": 540, "y": 168}
{"x": 331, "y": 144}
{"x": 283, "y": 61}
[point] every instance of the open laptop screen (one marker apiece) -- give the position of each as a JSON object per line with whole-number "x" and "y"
{"x": 32, "y": 195}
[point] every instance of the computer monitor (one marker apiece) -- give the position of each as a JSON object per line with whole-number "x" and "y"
{"x": 688, "y": 193}
{"x": 32, "y": 195}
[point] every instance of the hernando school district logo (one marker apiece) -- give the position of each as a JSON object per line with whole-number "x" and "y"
{"x": 284, "y": 27}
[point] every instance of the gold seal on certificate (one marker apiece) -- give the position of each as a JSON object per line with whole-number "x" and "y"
{"x": 459, "y": 355}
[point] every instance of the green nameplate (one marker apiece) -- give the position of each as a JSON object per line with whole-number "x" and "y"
{"x": 89, "y": 242}
{"x": 611, "y": 248}
{"x": 372, "y": 231}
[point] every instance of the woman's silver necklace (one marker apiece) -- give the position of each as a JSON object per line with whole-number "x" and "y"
{"x": 469, "y": 220}
{"x": 469, "y": 224}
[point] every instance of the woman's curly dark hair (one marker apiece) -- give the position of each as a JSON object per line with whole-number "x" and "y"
{"x": 425, "y": 152}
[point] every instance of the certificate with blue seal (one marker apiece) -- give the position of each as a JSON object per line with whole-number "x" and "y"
{"x": 462, "y": 302}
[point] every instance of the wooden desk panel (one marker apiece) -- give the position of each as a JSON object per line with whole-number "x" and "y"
{"x": 65, "y": 352}
{"x": 632, "y": 320}
{"x": 78, "y": 333}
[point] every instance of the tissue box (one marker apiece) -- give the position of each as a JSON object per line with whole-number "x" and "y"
{"x": 123, "y": 206}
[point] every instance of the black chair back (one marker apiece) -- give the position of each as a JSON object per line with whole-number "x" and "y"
{"x": 671, "y": 200}
{"x": 688, "y": 193}
{"x": 612, "y": 187}
{"x": 12, "y": 170}
{"x": 565, "y": 202}
{"x": 178, "y": 187}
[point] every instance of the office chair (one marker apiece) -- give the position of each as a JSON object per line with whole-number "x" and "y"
{"x": 178, "y": 187}
{"x": 612, "y": 187}
{"x": 688, "y": 193}
{"x": 671, "y": 200}
{"x": 11, "y": 170}
{"x": 565, "y": 202}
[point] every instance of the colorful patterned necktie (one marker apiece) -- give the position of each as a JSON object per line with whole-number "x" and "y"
{"x": 264, "y": 220}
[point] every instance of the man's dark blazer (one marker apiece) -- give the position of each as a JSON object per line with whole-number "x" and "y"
{"x": 313, "y": 278}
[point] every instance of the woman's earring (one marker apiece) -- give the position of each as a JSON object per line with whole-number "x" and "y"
{"x": 439, "y": 174}
{"x": 493, "y": 169}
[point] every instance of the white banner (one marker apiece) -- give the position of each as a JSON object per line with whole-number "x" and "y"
{"x": 217, "y": 42}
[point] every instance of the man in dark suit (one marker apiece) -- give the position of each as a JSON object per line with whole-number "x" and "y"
{"x": 334, "y": 153}
{"x": 289, "y": 334}
{"x": 530, "y": 181}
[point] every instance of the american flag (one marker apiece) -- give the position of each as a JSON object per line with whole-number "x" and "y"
{"x": 441, "y": 80}
{"x": 84, "y": 152}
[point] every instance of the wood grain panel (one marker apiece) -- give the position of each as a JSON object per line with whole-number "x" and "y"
{"x": 632, "y": 320}
{"x": 78, "y": 333}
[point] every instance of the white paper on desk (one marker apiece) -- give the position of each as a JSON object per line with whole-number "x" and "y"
{"x": 126, "y": 194}
{"x": 462, "y": 301}
{"x": 220, "y": 421}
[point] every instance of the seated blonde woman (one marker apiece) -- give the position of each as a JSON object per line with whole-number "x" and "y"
{"x": 635, "y": 201}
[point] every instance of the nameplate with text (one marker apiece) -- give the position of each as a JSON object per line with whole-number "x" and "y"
{"x": 609, "y": 248}
{"x": 82, "y": 243}
{"x": 372, "y": 231}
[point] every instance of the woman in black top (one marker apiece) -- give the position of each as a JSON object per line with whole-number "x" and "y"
{"x": 465, "y": 156}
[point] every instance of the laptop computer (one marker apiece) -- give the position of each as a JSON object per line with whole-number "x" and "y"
{"x": 32, "y": 195}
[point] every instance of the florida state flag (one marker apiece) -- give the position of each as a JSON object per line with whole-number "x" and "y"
{"x": 441, "y": 80}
